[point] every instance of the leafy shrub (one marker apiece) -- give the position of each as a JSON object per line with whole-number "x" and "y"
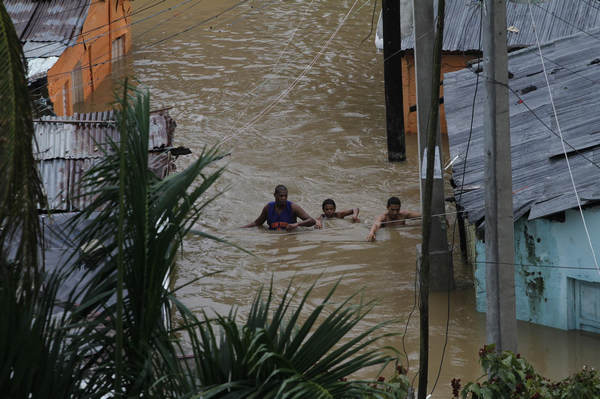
{"x": 511, "y": 376}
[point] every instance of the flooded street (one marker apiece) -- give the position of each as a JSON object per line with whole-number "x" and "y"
{"x": 295, "y": 105}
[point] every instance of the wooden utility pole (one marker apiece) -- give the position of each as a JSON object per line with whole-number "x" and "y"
{"x": 392, "y": 72}
{"x": 501, "y": 322}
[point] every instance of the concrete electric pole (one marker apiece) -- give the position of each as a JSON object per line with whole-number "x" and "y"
{"x": 441, "y": 271}
{"x": 499, "y": 225}
{"x": 435, "y": 263}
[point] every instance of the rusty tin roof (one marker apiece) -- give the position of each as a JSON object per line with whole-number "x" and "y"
{"x": 68, "y": 146}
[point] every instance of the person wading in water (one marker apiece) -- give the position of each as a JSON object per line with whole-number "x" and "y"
{"x": 282, "y": 214}
{"x": 393, "y": 217}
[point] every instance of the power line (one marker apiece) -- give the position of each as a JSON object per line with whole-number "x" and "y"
{"x": 276, "y": 63}
{"x": 372, "y": 22}
{"x": 101, "y": 26}
{"x": 295, "y": 82}
{"x": 535, "y": 115}
{"x": 564, "y": 20}
{"x": 456, "y": 204}
{"x": 171, "y": 17}
{"x": 561, "y": 138}
{"x": 89, "y": 65}
{"x": 189, "y": 28}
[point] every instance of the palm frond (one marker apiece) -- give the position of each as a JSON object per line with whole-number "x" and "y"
{"x": 21, "y": 189}
{"x": 274, "y": 355}
{"x": 154, "y": 216}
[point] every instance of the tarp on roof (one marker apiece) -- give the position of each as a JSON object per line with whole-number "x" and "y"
{"x": 541, "y": 180}
{"x": 38, "y": 67}
{"x": 554, "y": 19}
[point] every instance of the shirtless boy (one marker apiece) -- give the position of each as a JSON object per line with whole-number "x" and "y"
{"x": 330, "y": 212}
{"x": 393, "y": 217}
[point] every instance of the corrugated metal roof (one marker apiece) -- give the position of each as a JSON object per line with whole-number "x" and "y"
{"x": 43, "y": 49}
{"x": 46, "y": 22}
{"x": 86, "y": 135}
{"x": 554, "y": 19}
{"x": 541, "y": 182}
{"x": 69, "y": 146}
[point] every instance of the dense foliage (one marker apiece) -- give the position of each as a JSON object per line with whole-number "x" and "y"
{"x": 511, "y": 376}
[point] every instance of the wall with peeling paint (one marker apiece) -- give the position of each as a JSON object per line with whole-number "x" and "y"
{"x": 552, "y": 258}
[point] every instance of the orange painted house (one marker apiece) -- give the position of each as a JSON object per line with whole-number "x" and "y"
{"x": 73, "y": 44}
{"x": 450, "y": 63}
{"x": 462, "y": 42}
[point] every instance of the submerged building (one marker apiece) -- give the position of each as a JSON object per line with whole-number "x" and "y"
{"x": 462, "y": 43}
{"x": 557, "y": 277}
{"x": 72, "y": 45}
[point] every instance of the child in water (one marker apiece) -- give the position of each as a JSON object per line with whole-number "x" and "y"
{"x": 329, "y": 213}
{"x": 393, "y": 217}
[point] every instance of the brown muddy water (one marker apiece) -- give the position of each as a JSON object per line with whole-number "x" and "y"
{"x": 243, "y": 80}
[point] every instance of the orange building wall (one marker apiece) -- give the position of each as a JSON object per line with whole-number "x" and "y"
{"x": 450, "y": 63}
{"x": 92, "y": 51}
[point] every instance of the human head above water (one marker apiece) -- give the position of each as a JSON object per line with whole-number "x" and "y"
{"x": 281, "y": 193}
{"x": 393, "y": 201}
{"x": 280, "y": 187}
{"x": 393, "y": 208}
{"x": 328, "y": 207}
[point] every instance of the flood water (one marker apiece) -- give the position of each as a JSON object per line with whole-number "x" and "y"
{"x": 295, "y": 105}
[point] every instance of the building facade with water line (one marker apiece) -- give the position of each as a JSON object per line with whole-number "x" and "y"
{"x": 71, "y": 45}
{"x": 555, "y": 151}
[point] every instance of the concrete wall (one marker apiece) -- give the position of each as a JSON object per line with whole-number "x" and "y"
{"x": 450, "y": 63}
{"x": 548, "y": 253}
{"x": 91, "y": 55}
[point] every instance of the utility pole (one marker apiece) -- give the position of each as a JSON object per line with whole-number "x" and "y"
{"x": 392, "y": 72}
{"x": 501, "y": 322}
{"x": 435, "y": 264}
{"x": 441, "y": 273}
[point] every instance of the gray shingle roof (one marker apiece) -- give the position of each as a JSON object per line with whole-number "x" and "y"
{"x": 541, "y": 182}
{"x": 554, "y": 18}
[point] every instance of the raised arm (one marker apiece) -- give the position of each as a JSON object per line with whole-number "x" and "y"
{"x": 375, "y": 227}
{"x": 260, "y": 220}
{"x": 307, "y": 220}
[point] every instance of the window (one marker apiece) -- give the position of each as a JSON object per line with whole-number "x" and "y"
{"x": 77, "y": 80}
{"x": 66, "y": 101}
{"x": 118, "y": 49}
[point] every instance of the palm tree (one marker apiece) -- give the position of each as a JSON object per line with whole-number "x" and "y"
{"x": 21, "y": 188}
{"x": 113, "y": 337}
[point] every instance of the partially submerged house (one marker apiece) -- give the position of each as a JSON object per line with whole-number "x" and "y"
{"x": 68, "y": 146}
{"x": 66, "y": 149}
{"x": 557, "y": 280}
{"x": 72, "y": 45}
{"x": 554, "y": 19}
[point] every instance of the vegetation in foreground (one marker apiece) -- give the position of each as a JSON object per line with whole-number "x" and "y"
{"x": 112, "y": 336}
{"x": 511, "y": 376}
